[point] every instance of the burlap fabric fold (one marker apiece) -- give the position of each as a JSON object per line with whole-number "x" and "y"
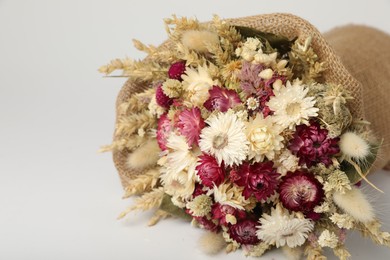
{"x": 357, "y": 57}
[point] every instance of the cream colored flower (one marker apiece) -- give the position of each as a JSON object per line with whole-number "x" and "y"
{"x": 229, "y": 194}
{"x": 200, "y": 206}
{"x": 337, "y": 181}
{"x": 178, "y": 167}
{"x": 291, "y": 106}
{"x": 248, "y": 50}
{"x": 224, "y": 138}
{"x": 252, "y": 103}
{"x": 266, "y": 59}
{"x": 328, "y": 239}
{"x": 264, "y": 138}
{"x": 281, "y": 228}
{"x": 286, "y": 162}
{"x": 154, "y": 108}
{"x": 172, "y": 88}
{"x": 342, "y": 220}
{"x": 196, "y": 84}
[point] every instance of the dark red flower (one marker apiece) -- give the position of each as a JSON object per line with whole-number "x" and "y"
{"x": 190, "y": 123}
{"x": 221, "y": 99}
{"x": 313, "y": 215}
{"x": 198, "y": 190}
{"x": 264, "y": 95}
{"x": 258, "y": 179}
{"x": 205, "y": 222}
{"x": 300, "y": 191}
{"x": 209, "y": 171}
{"x": 164, "y": 128}
{"x": 176, "y": 70}
{"x": 312, "y": 145}
{"x": 162, "y": 99}
{"x": 219, "y": 213}
{"x": 244, "y": 232}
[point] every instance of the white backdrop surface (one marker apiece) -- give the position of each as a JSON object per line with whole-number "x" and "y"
{"x": 59, "y": 198}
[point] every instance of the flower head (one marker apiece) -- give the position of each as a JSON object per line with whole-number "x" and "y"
{"x": 176, "y": 70}
{"x": 264, "y": 138}
{"x": 312, "y": 145}
{"x": 258, "y": 179}
{"x": 200, "y": 206}
{"x": 300, "y": 191}
{"x": 226, "y": 214}
{"x": 224, "y": 138}
{"x": 221, "y": 99}
{"x": 209, "y": 171}
{"x": 328, "y": 239}
{"x": 162, "y": 99}
{"x": 291, "y": 106}
{"x": 280, "y": 229}
{"x": 190, "y": 123}
{"x": 164, "y": 129}
{"x": 197, "y": 84}
{"x": 244, "y": 232}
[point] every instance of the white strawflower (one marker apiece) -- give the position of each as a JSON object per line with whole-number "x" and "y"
{"x": 286, "y": 162}
{"x": 291, "y": 106}
{"x": 264, "y": 138}
{"x": 178, "y": 169}
{"x": 252, "y": 103}
{"x": 281, "y": 228}
{"x": 229, "y": 194}
{"x": 248, "y": 50}
{"x": 266, "y": 59}
{"x": 225, "y": 138}
{"x": 196, "y": 84}
{"x": 154, "y": 108}
{"x": 328, "y": 239}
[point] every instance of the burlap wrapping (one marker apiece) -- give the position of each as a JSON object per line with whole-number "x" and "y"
{"x": 358, "y": 59}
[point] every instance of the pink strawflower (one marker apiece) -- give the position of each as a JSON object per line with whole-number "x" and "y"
{"x": 249, "y": 77}
{"x": 244, "y": 232}
{"x": 219, "y": 213}
{"x": 162, "y": 99}
{"x": 190, "y": 123}
{"x": 312, "y": 145}
{"x": 258, "y": 179}
{"x": 164, "y": 128}
{"x": 176, "y": 70}
{"x": 209, "y": 171}
{"x": 221, "y": 99}
{"x": 300, "y": 191}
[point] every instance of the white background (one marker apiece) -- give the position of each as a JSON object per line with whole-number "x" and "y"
{"x": 59, "y": 198}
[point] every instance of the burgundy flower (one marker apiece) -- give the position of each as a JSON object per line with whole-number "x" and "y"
{"x": 244, "y": 232}
{"x": 219, "y": 213}
{"x": 300, "y": 191}
{"x": 221, "y": 99}
{"x": 164, "y": 128}
{"x": 176, "y": 70}
{"x": 209, "y": 171}
{"x": 258, "y": 179}
{"x": 190, "y": 123}
{"x": 312, "y": 145}
{"x": 198, "y": 190}
{"x": 265, "y": 94}
{"x": 205, "y": 222}
{"x": 313, "y": 215}
{"x": 162, "y": 99}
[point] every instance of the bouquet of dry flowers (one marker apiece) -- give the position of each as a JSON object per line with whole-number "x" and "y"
{"x": 252, "y": 129}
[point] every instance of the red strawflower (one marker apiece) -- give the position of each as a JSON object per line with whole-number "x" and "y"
{"x": 258, "y": 179}
{"x": 164, "y": 128}
{"x": 162, "y": 99}
{"x": 313, "y": 215}
{"x": 176, "y": 70}
{"x": 300, "y": 191}
{"x": 221, "y": 99}
{"x": 244, "y": 232}
{"x": 219, "y": 213}
{"x": 205, "y": 223}
{"x": 264, "y": 95}
{"x": 198, "y": 190}
{"x": 190, "y": 123}
{"x": 312, "y": 145}
{"x": 209, "y": 171}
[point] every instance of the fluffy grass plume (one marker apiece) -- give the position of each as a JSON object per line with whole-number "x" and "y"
{"x": 145, "y": 156}
{"x": 199, "y": 40}
{"x": 211, "y": 243}
{"x": 293, "y": 253}
{"x": 355, "y": 203}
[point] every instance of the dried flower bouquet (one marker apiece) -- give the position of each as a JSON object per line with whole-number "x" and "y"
{"x": 251, "y": 130}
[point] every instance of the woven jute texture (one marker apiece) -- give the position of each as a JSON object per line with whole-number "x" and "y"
{"x": 360, "y": 60}
{"x": 365, "y": 52}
